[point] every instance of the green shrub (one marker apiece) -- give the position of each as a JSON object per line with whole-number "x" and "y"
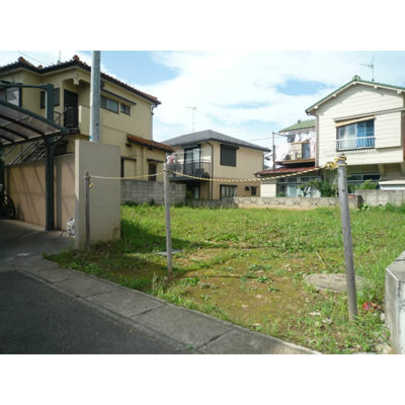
{"x": 368, "y": 185}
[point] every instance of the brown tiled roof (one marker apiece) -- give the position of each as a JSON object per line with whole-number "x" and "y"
{"x": 282, "y": 170}
{"x": 149, "y": 143}
{"x": 75, "y": 61}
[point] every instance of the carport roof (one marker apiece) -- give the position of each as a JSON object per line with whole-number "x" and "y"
{"x": 18, "y": 125}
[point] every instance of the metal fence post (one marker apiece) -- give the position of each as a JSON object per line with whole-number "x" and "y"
{"x": 347, "y": 237}
{"x": 168, "y": 225}
{"x": 87, "y": 207}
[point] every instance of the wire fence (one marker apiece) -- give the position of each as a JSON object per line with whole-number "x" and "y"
{"x": 339, "y": 163}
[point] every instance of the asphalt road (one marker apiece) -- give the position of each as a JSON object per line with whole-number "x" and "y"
{"x": 37, "y": 319}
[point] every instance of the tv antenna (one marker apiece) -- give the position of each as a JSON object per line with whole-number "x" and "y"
{"x": 193, "y": 110}
{"x": 371, "y": 66}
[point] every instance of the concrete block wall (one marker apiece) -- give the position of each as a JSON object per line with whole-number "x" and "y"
{"x": 275, "y": 202}
{"x": 143, "y": 192}
{"x": 374, "y": 198}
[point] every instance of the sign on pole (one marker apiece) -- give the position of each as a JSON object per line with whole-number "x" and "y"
{"x": 347, "y": 236}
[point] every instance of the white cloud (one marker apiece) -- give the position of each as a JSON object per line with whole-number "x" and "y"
{"x": 216, "y": 81}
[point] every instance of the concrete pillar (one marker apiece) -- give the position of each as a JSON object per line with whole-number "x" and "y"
{"x": 395, "y": 303}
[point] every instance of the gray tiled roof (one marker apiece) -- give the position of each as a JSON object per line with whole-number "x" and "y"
{"x": 210, "y": 135}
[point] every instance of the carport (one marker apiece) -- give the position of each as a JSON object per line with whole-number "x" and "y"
{"x": 19, "y": 126}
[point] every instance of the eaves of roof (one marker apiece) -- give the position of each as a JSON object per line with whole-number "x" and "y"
{"x": 74, "y": 62}
{"x": 356, "y": 80}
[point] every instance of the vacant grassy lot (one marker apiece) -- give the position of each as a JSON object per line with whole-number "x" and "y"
{"x": 247, "y": 266}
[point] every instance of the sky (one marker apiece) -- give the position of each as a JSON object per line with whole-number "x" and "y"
{"x": 245, "y": 94}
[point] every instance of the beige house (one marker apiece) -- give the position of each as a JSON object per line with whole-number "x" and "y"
{"x": 126, "y": 113}
{"x": 209, "y": 155}
{"x": 366, "y": 122}
{"x": 126, "y": 121}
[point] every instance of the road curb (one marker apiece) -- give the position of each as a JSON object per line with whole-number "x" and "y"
{"x": 186, "y": 327}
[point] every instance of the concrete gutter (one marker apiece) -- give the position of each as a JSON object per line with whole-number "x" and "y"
{"x": 198, "y": 331}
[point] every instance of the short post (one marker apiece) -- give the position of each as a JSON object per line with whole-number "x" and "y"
{"x": 347, "y": 237}
{"x": 87, "y": 207}
{"x": 168, "y": 225}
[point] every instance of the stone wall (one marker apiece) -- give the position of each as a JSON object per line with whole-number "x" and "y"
{"x": 274, "y": 202}
{"x": 375, "y": 198}
{"x": 143, "y": 192}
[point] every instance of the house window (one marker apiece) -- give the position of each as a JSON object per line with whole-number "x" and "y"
{"x": 227, "y": 191}
{"x": 152, "y": 170}
{"x": 11, "y": 95}
{"x": 253, "y": 190}
{"x": 358, "y": 135}
{"x": 228, "y": 155}
{"x": 56, "y": 98}
{"x": 109, "y": 104}
{"x": 125, "y": 109}
{"x": 306, "y": 151}
{"x": 192, "y": 161}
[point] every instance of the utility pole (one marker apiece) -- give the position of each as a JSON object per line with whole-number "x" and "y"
{"x": 347, "y": 237}
{"x": 166, "y": 185}
{"x": 95, "y": 98}
{"x": 273, "y": 151}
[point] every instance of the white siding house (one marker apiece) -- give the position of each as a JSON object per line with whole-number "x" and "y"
{"x": 365, "y": 121}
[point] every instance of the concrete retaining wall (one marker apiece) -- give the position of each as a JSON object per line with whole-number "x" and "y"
{"x": 274, "y": 202}
{"x": 395, "y": 303}
{"x": 143, "y": 192}
{"x": 375, "y": 198}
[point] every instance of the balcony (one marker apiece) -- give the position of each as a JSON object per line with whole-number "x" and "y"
{"x": 74, "y": 118}
{"x": 355, "y": 143}
{"x": 183, "y": 170}
{"x": 296, "y": 152}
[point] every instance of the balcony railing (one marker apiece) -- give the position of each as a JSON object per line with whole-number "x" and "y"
{"x": 365, "y": 142}
{"x": 195, "y": 169}
{"x": 69, "y": 118}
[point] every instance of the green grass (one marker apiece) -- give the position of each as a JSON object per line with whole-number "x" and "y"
{"x": 247, "y": 266}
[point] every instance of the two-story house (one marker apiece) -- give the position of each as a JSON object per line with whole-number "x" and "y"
{"x": 126, "y": 112}
{"x": 294, "y": 154}
{"x": 211, "y": 155}
{"x": 126, "y": 121}
{"x": 365, "y": 121}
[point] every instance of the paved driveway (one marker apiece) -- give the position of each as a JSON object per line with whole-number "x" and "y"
{"x": 18, "y": 240}
{"x": 36, "y": 318}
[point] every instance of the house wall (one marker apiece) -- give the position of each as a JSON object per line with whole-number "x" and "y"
{"x": 361, "y": 99}
{"x": 268, "y": 189}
